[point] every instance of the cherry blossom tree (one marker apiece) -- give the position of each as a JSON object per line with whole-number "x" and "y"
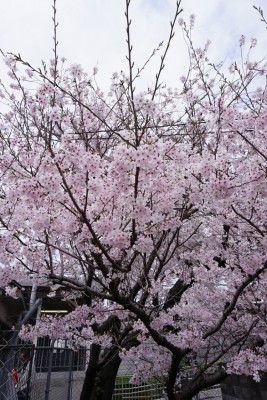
{"x": 150, "y": 208}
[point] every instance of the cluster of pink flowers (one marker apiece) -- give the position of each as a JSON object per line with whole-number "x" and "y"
{"x": 158, "y": 214}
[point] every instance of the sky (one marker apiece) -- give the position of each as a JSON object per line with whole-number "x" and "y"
{"x": 92, "y": 32}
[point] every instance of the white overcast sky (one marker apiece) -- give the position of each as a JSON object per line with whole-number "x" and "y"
{"x": 92, "y": 32}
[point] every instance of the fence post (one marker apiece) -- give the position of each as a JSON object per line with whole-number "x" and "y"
{"x": 48, "y": 379}
{"x": 29, "y": 377}
{"x": 70, "y": 381}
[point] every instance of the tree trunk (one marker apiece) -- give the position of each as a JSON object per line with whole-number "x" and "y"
{"x": 99, "y": 383}
{"x": 105, "y": 380}
{"x": 91, "y": 372}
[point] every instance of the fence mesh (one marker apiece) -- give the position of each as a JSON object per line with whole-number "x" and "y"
{"x": 56, "y": 371}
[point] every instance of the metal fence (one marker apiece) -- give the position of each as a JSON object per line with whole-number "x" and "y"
{"x": 53, "y": 371}
{"x": 56, "y": 371}
{"x": 124, "y": 390}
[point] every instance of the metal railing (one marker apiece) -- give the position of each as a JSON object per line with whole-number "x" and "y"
{"x": 124, "y": 390}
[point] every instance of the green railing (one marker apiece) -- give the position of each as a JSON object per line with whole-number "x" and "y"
{"x": 124, "y": 390}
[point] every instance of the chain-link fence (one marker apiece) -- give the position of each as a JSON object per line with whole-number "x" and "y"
{"x": 50, "y": 370}
{"x": 53, "y": 370}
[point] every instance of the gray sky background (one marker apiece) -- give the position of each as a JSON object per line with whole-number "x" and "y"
{"x": 92, "y": 32}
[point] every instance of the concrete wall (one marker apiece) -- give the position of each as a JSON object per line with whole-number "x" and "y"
{"x": 243, "y": 388}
